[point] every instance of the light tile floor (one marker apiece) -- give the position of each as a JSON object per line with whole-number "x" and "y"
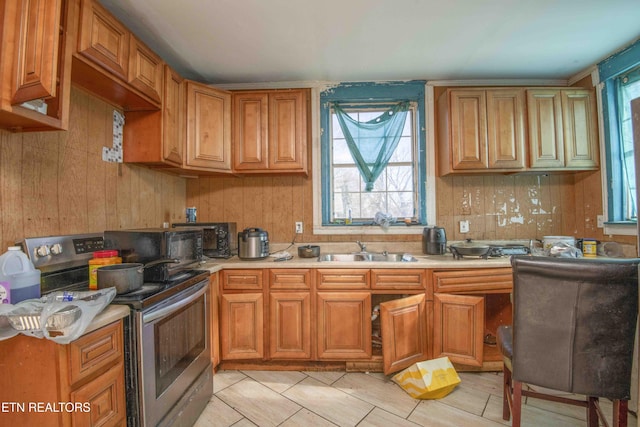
{"x": 294, "y": 398}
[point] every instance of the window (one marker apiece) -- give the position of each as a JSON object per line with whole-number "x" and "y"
{"x": 393, "y": 192}
{"x": 628, "y": 88}
{"x": 620, "y": 76}
{"x": 399, "y": 190}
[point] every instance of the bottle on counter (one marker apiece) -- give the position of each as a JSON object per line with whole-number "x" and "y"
{"x": 100, "y": 259}
{"x": 19, "y": 279}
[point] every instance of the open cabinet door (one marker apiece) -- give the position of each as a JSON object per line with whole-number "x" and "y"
{"x": 458, "y": 327}
{"x": 403, "y": 324}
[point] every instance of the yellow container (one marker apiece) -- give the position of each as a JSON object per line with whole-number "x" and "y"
{"x": 589, "y": 248}
{"x": 100, "y": 259}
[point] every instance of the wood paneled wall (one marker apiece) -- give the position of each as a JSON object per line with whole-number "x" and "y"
{"x": 56, "y": 182}
{"x": 497, "y": 206}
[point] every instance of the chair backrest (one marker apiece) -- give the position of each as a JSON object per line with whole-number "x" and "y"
{"x": 574, "y": 323}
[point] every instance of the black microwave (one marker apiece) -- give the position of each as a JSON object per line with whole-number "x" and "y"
{"x": 219, "y": 238}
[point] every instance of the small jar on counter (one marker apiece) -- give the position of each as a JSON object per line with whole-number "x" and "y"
{"x": 100, "y": 259}
{"x": 589, "y": 248}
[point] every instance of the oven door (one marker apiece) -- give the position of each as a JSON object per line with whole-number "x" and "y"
{"x": 175, "y": 349}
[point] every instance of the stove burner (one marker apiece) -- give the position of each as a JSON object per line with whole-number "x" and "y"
{"x": 508, "y": 250}
{"x": 495, "y": 251}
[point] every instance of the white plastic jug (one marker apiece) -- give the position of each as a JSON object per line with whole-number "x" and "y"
{"x": 19, "y": 279}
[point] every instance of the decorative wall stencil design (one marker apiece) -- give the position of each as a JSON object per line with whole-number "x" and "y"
{"x": 114, "y": 154}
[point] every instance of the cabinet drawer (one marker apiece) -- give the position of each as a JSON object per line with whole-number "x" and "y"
{"x": 479, "y": 280}
{"x": 106, "y": 397}
{"x": 290, "y": 279}
{"x": 343, "y": 279}
{"x": 398, "y": 278}
{"x": 242, "y": 279}
{"x": 95, "y": 351}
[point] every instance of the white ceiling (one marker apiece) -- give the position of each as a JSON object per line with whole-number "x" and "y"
{"x": 253, "y": 41}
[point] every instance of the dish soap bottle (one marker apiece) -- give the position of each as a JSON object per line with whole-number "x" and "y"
{"x": 348, "y": 220}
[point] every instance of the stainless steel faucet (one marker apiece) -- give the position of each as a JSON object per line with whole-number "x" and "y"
{"x": 363, "y": 247}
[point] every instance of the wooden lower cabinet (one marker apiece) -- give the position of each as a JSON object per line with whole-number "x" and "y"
{"x": 468, "y": 307}
{"x": 385, "y": 319}
{"x": 458, "y": 328}
{"x": 87, "y": 373}
{"x": 344, "y": 325}
{"x": 242, "y": 326}
{"x": 404, "y": 332}
{"x": 290, "y": 325}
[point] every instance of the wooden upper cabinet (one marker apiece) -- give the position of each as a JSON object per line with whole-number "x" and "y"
{"x": 103, "y": 39}
{"x": 270, "y": 131}
{"x": 288, "y": 131}
{"x": 112, "y": 63}
{"x": 37, "y": 56}
{"x": 208, "y": 128}
{"x": 481, "y": 130}
{"x": 580, "y": 129}
{"x": 173, "y": 117}
{"x": 562, "y": 129}
{"x": 145, "y": 69}
{"x": 546, "y": 143}
{"x": 506, "y": 129}
{"x": 37, "y": 43}
{"x": 250, "y": 130}
{"x": 157, "y": 138}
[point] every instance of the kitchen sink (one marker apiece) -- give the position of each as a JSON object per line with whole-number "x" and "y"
{"x": 365, "y": 256}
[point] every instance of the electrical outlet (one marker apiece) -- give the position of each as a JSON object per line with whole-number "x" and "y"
{"x": 464, "y": 226}
{"x": 299, "y": 227}
{"x": 600, "y": 221}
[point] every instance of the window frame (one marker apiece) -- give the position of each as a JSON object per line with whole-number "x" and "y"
{"x": 415, "y": 91}
{"x": 613, "y": 197}
{"x": 414, "y": 163}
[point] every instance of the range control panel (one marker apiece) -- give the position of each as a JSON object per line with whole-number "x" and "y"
{"x": 57, "y": 252}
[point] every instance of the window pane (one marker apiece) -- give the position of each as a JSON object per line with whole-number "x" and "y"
{"x": 372, "y": 202}
{"x": 335, "y": 128}
{"x": 346, "y": 179}
{"x": 341, "y": 154}
{"x": 401, "y": 204}
{"x": 400, "y": 178}
{"x": 404, "y": 151}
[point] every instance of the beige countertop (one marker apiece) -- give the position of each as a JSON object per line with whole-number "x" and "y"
{"x": 110, "y": 314}
{"x": 422, "y": 261}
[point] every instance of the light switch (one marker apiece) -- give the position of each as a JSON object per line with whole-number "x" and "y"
{"x": 464, "y": 226}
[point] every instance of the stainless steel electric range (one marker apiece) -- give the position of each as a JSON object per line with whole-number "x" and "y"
{"x": 167, "y": 350}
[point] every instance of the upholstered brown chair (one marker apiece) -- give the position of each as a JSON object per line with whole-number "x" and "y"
{"x": 574, "y": 323}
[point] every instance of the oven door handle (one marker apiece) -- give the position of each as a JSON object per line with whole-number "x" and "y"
{"x": 170, "y": 309}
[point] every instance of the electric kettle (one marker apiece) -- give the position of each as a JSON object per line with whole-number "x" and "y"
{"x": 434, "y": 240}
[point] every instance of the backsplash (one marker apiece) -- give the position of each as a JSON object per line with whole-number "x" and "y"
{"x": 56, "y": 182}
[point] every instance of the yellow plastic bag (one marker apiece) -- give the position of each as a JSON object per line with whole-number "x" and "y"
{"x": 431, "y": 379}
